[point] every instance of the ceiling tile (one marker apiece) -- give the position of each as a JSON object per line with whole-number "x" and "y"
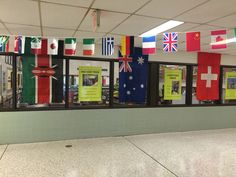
{"x": 59, "y": 33}
{"x": 204, "y": 29}
{"x": 61, "y": 16}
{"x": 3, "y": 30}
{"x": 183, "y": 28}
{"x": 159, "y": 8}
{"x": 24, "y": 30}
{"x": 83, "y": 34}
{"x": 209, "y": 11}
{"x": 119, "y": 5}
{"x": 82, "y": 3}
{"x": 108, "y": 21}
{"x": 135, "y": 25}
{"x": 228, "y": 22}
{"x": 21, "y": 12}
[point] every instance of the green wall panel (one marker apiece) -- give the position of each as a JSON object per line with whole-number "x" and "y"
{"x": 35, "y": 126}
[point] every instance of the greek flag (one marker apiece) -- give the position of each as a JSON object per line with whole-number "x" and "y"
{"x": 107, "y": 46}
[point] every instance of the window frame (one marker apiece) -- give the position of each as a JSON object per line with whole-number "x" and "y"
{"x": 151, "y": 103}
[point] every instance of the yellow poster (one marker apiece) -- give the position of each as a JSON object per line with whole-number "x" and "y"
{"x": 172, "y": 84}
{"x": 230, "y": 85}
{"x": 90, "y": 83}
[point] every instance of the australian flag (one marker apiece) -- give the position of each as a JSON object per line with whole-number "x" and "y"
{"x": 133, "y": 77}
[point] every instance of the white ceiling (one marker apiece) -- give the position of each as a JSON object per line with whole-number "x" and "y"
{"x": 66, "y": 18}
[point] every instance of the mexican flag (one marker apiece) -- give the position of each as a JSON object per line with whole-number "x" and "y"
{"x": 70, "y": 46}
{"x": 88, "y": 46}
{"x": 42, "y": 78}
{"x": 36, "y": 45}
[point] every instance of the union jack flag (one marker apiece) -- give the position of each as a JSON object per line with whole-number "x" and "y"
{"x": 170, "y": 42}
{"x": 125, "y": 66}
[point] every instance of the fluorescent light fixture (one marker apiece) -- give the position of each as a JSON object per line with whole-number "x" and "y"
{"x": 227, "y": 41}
{"x": 161, "y": 28}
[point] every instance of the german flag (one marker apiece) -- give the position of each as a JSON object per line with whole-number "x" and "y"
{"x": 127, "y": 45}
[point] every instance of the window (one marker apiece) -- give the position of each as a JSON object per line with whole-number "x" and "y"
{"x": 6, "y": 96}
{"x": 89, "y": 83}
{"x": 194, "y": 94}
{"x": 229, "y": 85}
{"x": 172, "y": 84}
{"x": 40, "y": 81}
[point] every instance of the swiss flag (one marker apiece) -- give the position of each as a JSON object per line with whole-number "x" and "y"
{"x": 217, "y": 36}
{"x": 208, "y": 76}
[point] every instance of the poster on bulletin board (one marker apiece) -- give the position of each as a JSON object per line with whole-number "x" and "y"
{"x": 90, "y": 83}
{"x": 172, "y": 84}
{"x": 230, "y": 85}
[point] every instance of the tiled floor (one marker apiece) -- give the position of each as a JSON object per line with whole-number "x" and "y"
{"x": 2, "y": 149}
{"x": 190, "y": 154}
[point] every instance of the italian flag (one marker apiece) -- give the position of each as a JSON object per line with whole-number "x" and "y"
{"x": 42, "y": 78}
{"x": 88, "y": 46}
{"x": 70, "y": 46}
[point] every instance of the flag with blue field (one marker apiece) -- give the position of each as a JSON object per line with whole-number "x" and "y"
{"x": 133, "y": 74}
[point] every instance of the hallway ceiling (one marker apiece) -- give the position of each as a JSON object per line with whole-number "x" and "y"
{"x": 66, "y": 18}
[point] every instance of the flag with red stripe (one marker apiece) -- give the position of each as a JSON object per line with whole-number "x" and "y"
{"x": 127, "y": 45}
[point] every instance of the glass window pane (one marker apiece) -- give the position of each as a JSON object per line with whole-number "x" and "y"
{"x": 89, "y": 83}
{"x": 194, "y": 94}
{"x": 40, "y": 81}
{"x": 6, "y": 82}
{"x": 172, "y": 84}
{"x": 229, "y": 85}
{"x": 135, "y": 92}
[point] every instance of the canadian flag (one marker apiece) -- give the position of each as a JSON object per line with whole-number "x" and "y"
{"x": 208, "y": 76}
{"x": 49, "y": 46}
{"x": 218, "y": 36}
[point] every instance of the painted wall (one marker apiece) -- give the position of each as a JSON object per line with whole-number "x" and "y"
{"x": 21, "y": 127}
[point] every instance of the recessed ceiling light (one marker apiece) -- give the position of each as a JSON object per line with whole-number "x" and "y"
{"x": 161, "y": 28}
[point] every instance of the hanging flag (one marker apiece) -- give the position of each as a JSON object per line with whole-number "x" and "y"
{"x": 52, "y": 46}
{"x": 107, "y": 45}
{"x": 193, "y": 41}
{"x": 36, "y": 45}
{"x": 88, "y": 46}
{"x": 208, "y": 76}
{"x": 235, "y": 32}
{"x": 70, "y": 46}
{"x": 133, "y": 77}
{"x": 149, "y": 45}
{"x": 42, "y": 78}
{"x": 4, "y": 43}
{"x": 170, "y": 42}
{"x": 49, "y": 46}
{"x": 127, "y": 45}
{"x": 19, "y": 45}
{"x": 217, "y": 36}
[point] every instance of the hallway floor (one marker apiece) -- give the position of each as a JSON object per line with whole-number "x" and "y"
{"x": 190, "y": 154}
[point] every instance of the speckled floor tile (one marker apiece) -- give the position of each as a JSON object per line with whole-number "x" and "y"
{"x": 103, "y": 157}
{"x": 2, "y": 149}
{"x": 193, "y": 154}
